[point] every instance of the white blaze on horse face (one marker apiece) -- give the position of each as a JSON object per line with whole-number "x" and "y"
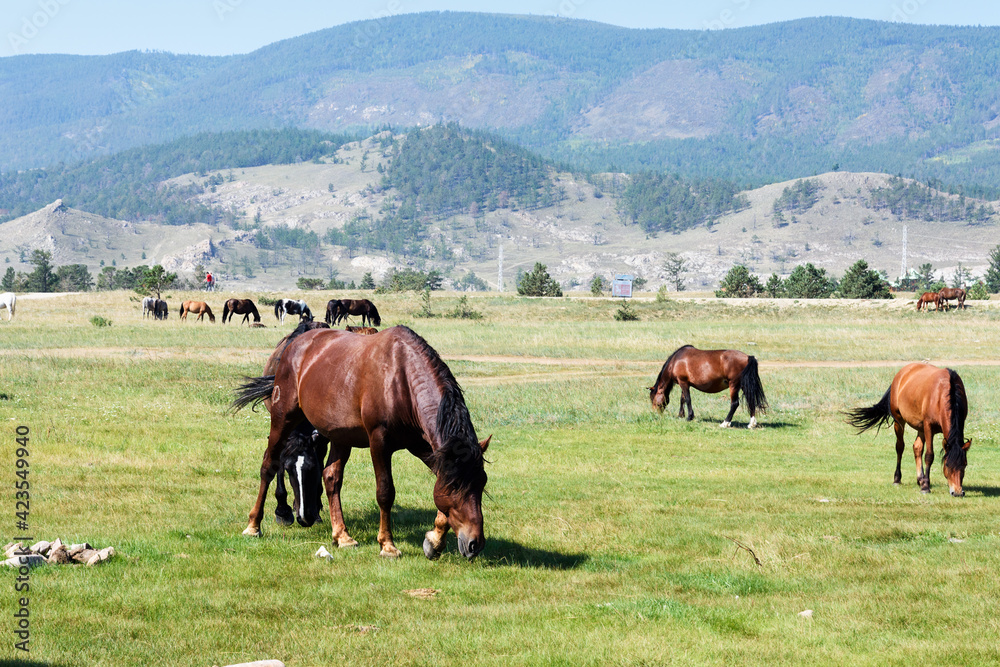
{"x": 299, "y": 462}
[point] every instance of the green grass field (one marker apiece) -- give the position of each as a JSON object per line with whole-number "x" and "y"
{"x": 610, "y": 529}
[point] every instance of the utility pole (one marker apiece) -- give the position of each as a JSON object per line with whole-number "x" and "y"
{"x": 902, "y": 271}
{"x": 500, "y": 269}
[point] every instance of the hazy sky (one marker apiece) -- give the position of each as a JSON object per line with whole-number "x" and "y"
{"x": 218, "y": 27}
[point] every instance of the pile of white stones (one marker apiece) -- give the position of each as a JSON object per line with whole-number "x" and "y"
{"x": 54, "y": 553}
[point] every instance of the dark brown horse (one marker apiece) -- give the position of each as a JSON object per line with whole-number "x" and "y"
{"x": 949, "y": 293}
{"x": 199, "y": 308}
{"x": 710, "y": 371}
{"x": 931, "y": 400}
{"x": 386, "y": 392}
{"x": 928, "y": 298}
{"x": 244, "y": 307}
{"x": 338, "y": 310}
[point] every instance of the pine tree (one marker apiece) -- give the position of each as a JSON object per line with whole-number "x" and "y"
{"x": 538, "y": 283}
{"x": 992, "y": 277}
{"x": 860, "y": 282}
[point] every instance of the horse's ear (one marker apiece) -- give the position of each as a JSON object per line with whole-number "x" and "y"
{"x": 968, "y": 443}
{"x": 485, "y": 443}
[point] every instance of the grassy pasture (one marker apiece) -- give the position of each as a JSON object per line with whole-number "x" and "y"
{"x": 609, "y": 527}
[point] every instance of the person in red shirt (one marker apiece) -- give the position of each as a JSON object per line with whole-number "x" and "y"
{"x": 209, "y": 282}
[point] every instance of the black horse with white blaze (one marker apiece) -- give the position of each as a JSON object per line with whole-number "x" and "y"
{"x": 284, "y": 307}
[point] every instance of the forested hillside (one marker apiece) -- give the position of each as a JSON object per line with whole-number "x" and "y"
{"x": 751, "y": 105}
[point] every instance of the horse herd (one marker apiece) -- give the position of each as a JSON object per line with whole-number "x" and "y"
{"x": 330, "y": 391}
{"x": 941, "y": 298}
{"x": 337, "y": 310}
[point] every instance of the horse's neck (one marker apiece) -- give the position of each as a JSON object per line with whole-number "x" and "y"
{"x": 425, "y": 393}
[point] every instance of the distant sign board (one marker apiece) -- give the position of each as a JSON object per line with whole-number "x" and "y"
{"x": 621, "y": 286}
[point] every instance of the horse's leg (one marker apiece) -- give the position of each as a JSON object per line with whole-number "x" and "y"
{"x": 898, "y": 427}
{"x": 282, "y": 513}
{"x": 281, "y": 426}
{"x": 928, "y": 455}
{"x": 734, "y": 402}
{"x": 918, "y": 453}
{"x": 333, "y": 479}
{"x": 686, "y": 398}
{"x": 680, "y": 390}
{"x": 385, "y": 490}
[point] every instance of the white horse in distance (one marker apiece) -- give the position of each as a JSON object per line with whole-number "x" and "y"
{"x": 8, "y": 299}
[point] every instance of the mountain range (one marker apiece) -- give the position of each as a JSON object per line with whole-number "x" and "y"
{"x": 752, "y": 105}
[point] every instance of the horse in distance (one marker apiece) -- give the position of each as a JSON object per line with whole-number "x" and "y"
{"x": 244, "y": 307}
{"x": 284, "y": 307}
{"x": 8, "y": 300}
{"x": 199, "y": 308}
{"x": 930, "y": 400}
{"x": 710, "y": 371}
{"x": 386, "y": 392}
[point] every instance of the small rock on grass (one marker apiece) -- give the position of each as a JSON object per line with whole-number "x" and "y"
{"x": 31, "y": 560}
{"x": 59, "y": 556}
{"x": 422, "y": 593}
{"x": 40, "y": 547}
{"x": 808, "y": 613}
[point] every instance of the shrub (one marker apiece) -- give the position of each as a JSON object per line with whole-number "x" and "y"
{"x": 626, "y": 313}
{"x": 978, "y": 292}
{"x": 860, "y": 282}
{"x": 538, "y": 283}
{"x": 310, "y": 283}
{"x": 463, "y": 311}
{"x": 100, "y": 322}
{"x": 598, "y": 285}
{"x": 739, "y": 283}
{"x": 661, "y": 294}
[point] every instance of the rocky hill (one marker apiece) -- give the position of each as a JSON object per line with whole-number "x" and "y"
{"x": 847, "y": 218}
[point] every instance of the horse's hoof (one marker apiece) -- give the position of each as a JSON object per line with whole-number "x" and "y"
{"x": 753, "y": 423}
{"x": 430, "y": 551}
{"x": 285, "y": 518}
{"x": 252, "y": 531}
{"x": 389, "y": 551}
{"x": 724, "y": 425}
{"x": 346, "y": 543}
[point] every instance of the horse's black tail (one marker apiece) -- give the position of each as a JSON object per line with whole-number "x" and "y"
{"x": 955, "y": 456}
{"x": 225, "y": 312}
{"x": 277, "y": 303}
{"x": 374, "y": 316}
{"x": 752, "y": 390}
{"x": 254, "y": 391}
{"x": 877, "y": 415}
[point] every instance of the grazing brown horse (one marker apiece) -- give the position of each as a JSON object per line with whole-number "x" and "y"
{"x": 364, "y": 331}
{"x": 949, "y": 293}
{"x": 931, "y": 400}
{"x": 199, "y": 308}
{"x": 386, "y": 392}
{"x": 338, "y": 310}
{"x": 710, "y": 371}
{"x": 244, "y": 307}
{"x": 929, "y": 298}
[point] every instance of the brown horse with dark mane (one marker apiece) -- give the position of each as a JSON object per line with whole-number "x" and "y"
{"x": 244, "y": 307}
{"x": 199, "y": 308}
{"x": 386, "y": 392}
{"x": 928, "y": 298}
{"x": 931, "y": 400}
{"x": 948, "y": 293}
{"x": 338, "y": 310}
{"x": 710, "y": 371}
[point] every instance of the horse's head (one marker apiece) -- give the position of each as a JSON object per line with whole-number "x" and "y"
{"x": 954, "y": 468}
{"x": 658, "y": 396}
{"x": 305, "y": 472}
{"x": 458, "y": 494}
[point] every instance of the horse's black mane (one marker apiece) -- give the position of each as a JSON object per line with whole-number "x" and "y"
{"x": 955, "y": 455}
{"x": 458, "y": 462}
